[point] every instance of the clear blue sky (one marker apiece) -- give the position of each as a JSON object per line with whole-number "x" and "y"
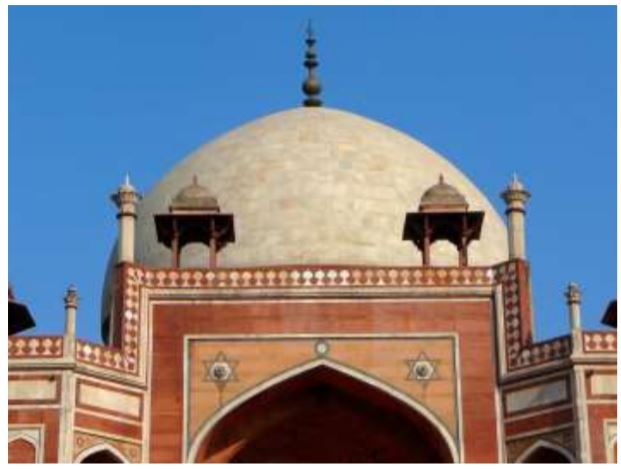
{"x": 98, "y": 91}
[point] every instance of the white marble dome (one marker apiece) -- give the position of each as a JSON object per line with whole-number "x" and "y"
{"x": 316, "y": 186}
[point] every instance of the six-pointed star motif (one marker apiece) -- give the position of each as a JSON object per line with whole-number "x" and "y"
{"x": 422, "y": 368}
{"x": 220, "y": 369}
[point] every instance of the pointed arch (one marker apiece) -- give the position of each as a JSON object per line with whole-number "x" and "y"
{"x": 102, "y": 449}
{"x": 529, "y": 455}
{"x": 407, "y": 401}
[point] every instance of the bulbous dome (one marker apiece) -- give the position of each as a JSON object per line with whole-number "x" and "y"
{"x": 316, "y": 186}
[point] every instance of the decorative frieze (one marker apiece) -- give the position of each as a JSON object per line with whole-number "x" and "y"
{"x": 35, "y": 347}
{"x": 101, "y": 355}
{"x": 543, "y": 352}
{"x": 294, "y": 277}
{"x": 521, "y": 354}
{"x": 126, "y": 359}
{"x": 599, "y": 342}
{"x": 506, "y": 276}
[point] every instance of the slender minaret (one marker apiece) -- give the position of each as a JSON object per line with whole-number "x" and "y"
{"x": 311, "y": 85}
{"x": 573, "y": 295}
{"x": 515, "y": 196}
{"x": 71, "y": 308}
{"x": 126, "y": 198}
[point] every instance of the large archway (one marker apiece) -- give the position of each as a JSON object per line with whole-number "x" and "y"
{"x": 323, "y": 415}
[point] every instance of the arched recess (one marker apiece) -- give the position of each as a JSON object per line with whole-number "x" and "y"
{"x": 543, "y": 452}
{"x": 323, "y": 412}
{"x": 102, "y": 453}
{"x": 22, "y": 450}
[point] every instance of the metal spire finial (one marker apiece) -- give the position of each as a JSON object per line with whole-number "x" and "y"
{"x": 311, "y": 85}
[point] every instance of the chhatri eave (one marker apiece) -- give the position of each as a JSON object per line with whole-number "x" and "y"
{"x": 315, "y": 286}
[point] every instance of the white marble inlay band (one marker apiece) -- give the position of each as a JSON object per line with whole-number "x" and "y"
{"x": 32, "y": 390}
{"x": 110, "y": 400}
{"x": 604, "y": 384}
{"x": 537, "y": 396}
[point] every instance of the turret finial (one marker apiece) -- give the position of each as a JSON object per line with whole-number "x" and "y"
{"x": 311, "y": 86}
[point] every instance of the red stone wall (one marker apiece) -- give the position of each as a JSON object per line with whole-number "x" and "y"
{"x": 597, "y": 414}
{"x": 49, "y": 418}
{"x": 470, "y": 319}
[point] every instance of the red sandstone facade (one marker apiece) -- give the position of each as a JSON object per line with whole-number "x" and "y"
{"x": 317, "y": 363}
{"x": 292, "y": 336}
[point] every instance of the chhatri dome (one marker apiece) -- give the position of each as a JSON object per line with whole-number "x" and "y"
{"x": 442, "y": 196}
{"x": 315, "y": 185}
{"x": 194, "y": 197}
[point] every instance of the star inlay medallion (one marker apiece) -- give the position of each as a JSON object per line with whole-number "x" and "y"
{"x": 220, "y": 370}
{"x": 422, "y": 369}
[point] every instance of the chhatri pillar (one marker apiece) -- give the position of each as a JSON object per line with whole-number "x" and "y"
{"x": 194, "y": 217}
{"x": 443, "y": 215}
{"x": 126, "y": 199}
{"x": 515, "y": 196}
{"x": 573, "y": 296}
{"x": 71, "y": 307}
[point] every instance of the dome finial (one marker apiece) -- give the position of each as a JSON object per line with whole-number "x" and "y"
{"x": 311, "y": 85}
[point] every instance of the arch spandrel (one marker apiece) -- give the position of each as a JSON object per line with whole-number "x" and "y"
{"x": 255, "y": 361}
{"x": 416, "y": 420}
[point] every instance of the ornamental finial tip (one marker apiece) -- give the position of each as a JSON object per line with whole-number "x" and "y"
{"x": 71, "y": 297}
{"x": 311, "y": 86}
{"x": 310, "y": 34}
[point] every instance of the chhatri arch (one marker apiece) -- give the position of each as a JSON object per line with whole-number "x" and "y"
{"x": 412, "y": 432}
